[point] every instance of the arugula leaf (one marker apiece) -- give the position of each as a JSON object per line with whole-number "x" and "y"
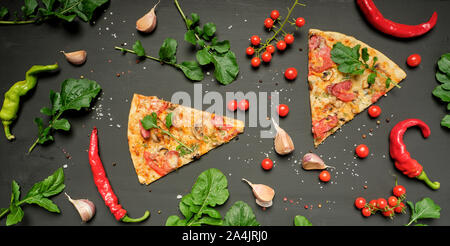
{"x": 226, "y": 67}
{"x": 300, "y": 220}
{"x": 3, "y": 12}
{"x": 169, "y": 120}
{"x": 424, "y": 209}
{"x": 371, "y": 78}
{"x": 210, "y": 188}
{"x": 61, "y": 124}
{"x": 48, "y": 4}
{"x": 446, "y": 120}
{"x": 240, "y": 214}
{"x": 189, "y": 36}
{"x": 191, "y": 70}
{"x": 29, "y": 8}
{"x": 442, "y": 93}
{"x": 168, "y": 50}
{"x": 344, "y": 54}
{"x": 15, "y": 215}
{"x": 365, "y": 54}
{"x": 138, "y": 48}
{"x": 443, "y": 78}
{"x": 203, "y": 57}
{"x": 209, "y": 29}
{"x": 84, "y": 9}
{"x": 220, "y": 46}
{"x": 444, "y": 63}
{"x": 150, "y": 121}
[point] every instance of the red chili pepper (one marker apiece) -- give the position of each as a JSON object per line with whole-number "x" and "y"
{"x": 103, "y": 185}
{"x": 401, "y": 156}
{"x": 375, "y": 18}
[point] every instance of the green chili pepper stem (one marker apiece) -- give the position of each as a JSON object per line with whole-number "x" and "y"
{"x": 432, "y": 185}
{"x": 8, "y": 134}
{"x": 133, "y": 220}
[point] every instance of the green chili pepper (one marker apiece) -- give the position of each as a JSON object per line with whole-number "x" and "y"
{"x": 8, "y": 113}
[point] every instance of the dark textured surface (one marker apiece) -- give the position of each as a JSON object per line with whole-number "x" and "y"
{"x": 26, "y": 45}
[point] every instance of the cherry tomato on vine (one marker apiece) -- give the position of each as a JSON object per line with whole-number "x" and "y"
{"x": 362, "y": 151}
{"x": 282, "y": 110}
{"x": 290, "y": 73}
{"x": 400, "y": 208}
{"x": 256, "y": 62}
{"x": 232, "y": 105}
{"x": 243, "y": 105}
{"x": 300, "y": 22}
{"x": 381, "y": 203}
{"x": 274, "y": 14}
{"x": 392, "y": 201}
{"x": 281, "y": 45}
{"x": 366, "y": 212}
{"x": 266, "y": 56}
{"x": 374, "y": 111}
{"x": 270, "y": 48}
{"x": 255, "y": 40}
{"x": 373, "y": 203}
{"x": 268, "y": 23}
{"x": 414, "y": 60}
{"x": 360, "y": 202}
{"x": 267, "y": 164}
{"x": 399, "y": 191}
{"x": 388, "y": 213}
{"x": 289, "y": 38}
{"x": 250, "y": 51}
{"x": 324, "y": 176}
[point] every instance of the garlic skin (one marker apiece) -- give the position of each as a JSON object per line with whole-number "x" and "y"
{"x": 147, "y": 23}
{"x": 85, "y": 208}
{"x": 282, "y": 142}
{"x": 311, "y": 161}
{"x": 263, "y": 193}
{"x": 76, "y": 57}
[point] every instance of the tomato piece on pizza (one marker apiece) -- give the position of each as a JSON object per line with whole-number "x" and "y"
{"x": 336, "y": 97}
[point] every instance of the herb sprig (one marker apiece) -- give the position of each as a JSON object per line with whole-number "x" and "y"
{"x": 75, "y": 94}
{"x": 34, "y": 11}
{"x": 424, "y": 209}
{"x": 443, "y": 91}
{"x": 39, "y": 194}
{"x": 353, "y": 62}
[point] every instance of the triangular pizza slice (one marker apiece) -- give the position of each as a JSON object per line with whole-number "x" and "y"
{"x": 163, "y": 136}
{"x": 345, "y": 77}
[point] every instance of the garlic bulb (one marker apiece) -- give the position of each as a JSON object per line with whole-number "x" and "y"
{"x": 85, "y": 208}
{"x": 147, "y": 23}
{"x": 263, "y": 193}
{"x": 76, "y": 57}
{"x": 283, "y": 142}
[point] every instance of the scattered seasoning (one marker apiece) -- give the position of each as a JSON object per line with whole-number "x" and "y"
{"x": 300, "y": 49}
{"x": 118, "y": 74}
{"x": 364, "y": 136}
{"x": 320, "y": 205}
{"x": 371, "y": 130}
{"x": 260, "y": 81}
{"x": 387, "y": 120}
{"x": 365, "y": 186}
{"x": 378, "y": 122}
{"x": 285, "y": 199}
{"x": 159, "y": 211}
{"x": 114, "y": 164}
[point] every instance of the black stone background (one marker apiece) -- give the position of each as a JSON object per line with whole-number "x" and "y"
{"x": 22, "y": 46}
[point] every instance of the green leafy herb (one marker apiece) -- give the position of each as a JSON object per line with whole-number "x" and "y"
{"x": 424, "y": 209}
{"x": 66, "y": 10}
{"x": 3, "y": 12}
{"x": 300, "y": 220}
{"x": 169, "y": 120}
{"x": 442, "y": 91}
{"x": 209, "y": 191}
{"x": 137, "y": 47}
{"x": 39, "y": 194}
{"x": 353, "y": 62}
{"x": 75, "y": 94}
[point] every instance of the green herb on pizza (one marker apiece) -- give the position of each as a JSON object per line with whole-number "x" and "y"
{"x": 442, "y": 91}
{"x": 424, "y": 209}
{"x": 39, "y": 194}
{"x": 75, "y": 94}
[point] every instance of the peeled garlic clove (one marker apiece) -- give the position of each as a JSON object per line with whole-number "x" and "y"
{"x": 147, "y": 23}
{"x": 283, "y": 142}
{"x": 311, "y": 161}
{"x": 263, "y": 193}
{"x": 76, "y": 57}
{"x": 85, "y": 208}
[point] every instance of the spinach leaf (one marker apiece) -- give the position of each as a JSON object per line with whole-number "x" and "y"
{"x": 442, "y": 93}
{"x": 424, "y": 209}
{"x": 240, "y": 214}
{"x": 168, "y": 50}
{"x": 443, "y": 78}
{"x": 444, "y": 63}
{"x": 210, "y": 188}
{"x": 300, "y": 220}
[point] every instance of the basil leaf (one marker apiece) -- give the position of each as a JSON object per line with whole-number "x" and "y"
{"x": 442, "y": 93}
{"x": 226, "y": 67}
{"x": 15, "y": 215}
{"x": 209, "y": 29}
{"x": 446, "y": 120}
{"x": 300, "y": 220}
{"x": 189, "y": 36}
{"x": 150, "y": 121}
{"x": 78, "y": 93}
{"x": 203, "y": 57}
{"x": 169, "y": 120}
{"x": 444, "y": 63}
{"x": 29, "y": 8}
{"x": 210, "y": 188}
{"x": 138, "y": 48}
{"x": 240, "y": 214}
{"x": 443, "y": 78}
{"x": 61, "y": 124}
{"x": 191, "y": 70}
{"x": 3, "y": 12}
{"x": 168, "y": 50}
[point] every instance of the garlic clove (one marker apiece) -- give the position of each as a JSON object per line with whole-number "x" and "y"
{"x": 76, "y": 57}
{"x": 263, "y": 193}
{"x": 147, "y": 23}
{"x": 264, "y": 204}
{"x": 283, "y": 142}
{"x": 85, "y": 208}
{"x": 311, "y": 161}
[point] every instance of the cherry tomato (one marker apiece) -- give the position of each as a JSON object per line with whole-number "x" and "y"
{"x": 374, "y": 111}
{"x": 400, "y": 208}
{"x": 267, "y": 164}
{"x": 289, "y": 38}
{"x": 255, "y": 62}
{"x": 268, "y": 23}
{"x": 381, "y": 203}
{"x": 399, "y": 191}
{"x": 392, "y": 201}
{"x": 232, "y": 105}
{"x": 300, "y": 22}
{"x": 414, "y": 60}
{"x": 274, "y": 14}
{"x": 366, "y": 212}
{"x": 270, "y": 48}
{"x": 250, "y": 51}
{"x": 255, "y": 40}
{"x": 243, "y": 105}
{"x": 373, "y": 204}
{"x": 266, "y": 56}
{"x": 362, "y": 151}
{"x": 282, "y": 110}
{"x": 388, "y": 213}
{"x": 281, "y": 45}
{"x": 324, "y": 176}
{"x": 290, "y": 73}
{"x": 360, "y": 202}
